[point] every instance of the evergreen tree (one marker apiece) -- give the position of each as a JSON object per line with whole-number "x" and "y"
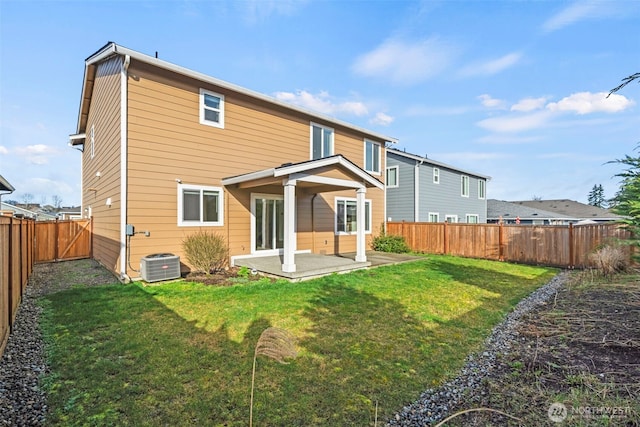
{"x": 596, "y": 196}
{"x": 627, "y": 200}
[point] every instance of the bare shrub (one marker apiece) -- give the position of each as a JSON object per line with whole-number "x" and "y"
{"x": 277, "y": 344}
{"x": 207, "y": 252}
{"x": 610, "y": 259}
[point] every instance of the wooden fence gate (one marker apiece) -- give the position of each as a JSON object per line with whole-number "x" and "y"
{"x": 63, "y": 240}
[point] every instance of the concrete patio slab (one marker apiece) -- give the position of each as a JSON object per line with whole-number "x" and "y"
{"x": 309, "y": 266}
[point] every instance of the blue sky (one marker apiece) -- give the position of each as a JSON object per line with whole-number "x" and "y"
{"x": 510, "y": 89}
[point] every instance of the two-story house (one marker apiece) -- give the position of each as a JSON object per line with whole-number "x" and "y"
{"x": 424, "y": 190}
{"x": 169, "y": 151}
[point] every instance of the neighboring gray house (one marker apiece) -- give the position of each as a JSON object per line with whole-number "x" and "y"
{"x": 499, "y": 211}
{"x": 19, "y": 212}
{"x": 423, "y": 190}
{"x": 570, "y": 208}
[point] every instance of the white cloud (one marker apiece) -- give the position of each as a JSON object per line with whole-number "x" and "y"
{"x": 37, "y": 154}
{"x": 260, "y": 10}
{"x": 381, "y": 119}
{"x": 420, "y": 110}
{"x": 405, "y": 62}
{"x": 578, "y": 11}
{"x": 3, "y": 150}
{"x": 529, "y": 104}
{"x": 322, "y": 103}
{"x": 490, "y": 102}
{"x": 587, "y": 102}
{"x": 44, "y": 187}
{"x": 507, "y": 139}
{"x": 518, "y": 123}
{"x": 491, "y": 67}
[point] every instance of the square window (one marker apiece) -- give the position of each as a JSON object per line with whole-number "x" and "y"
{"x": 211, "y": 109}
{"x": 199, "y": 206}
{"x": 347, "y": 218}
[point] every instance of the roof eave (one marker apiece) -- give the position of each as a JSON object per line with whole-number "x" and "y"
{"x": 113, "y": 48}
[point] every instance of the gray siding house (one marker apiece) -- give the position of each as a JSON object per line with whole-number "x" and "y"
{"x": 423, "y": 190}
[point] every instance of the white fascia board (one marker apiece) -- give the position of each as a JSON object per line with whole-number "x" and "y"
{"x": 114, "y": 48}
{"x": 329, "y": 161}
{"x": 316, "y": 179}
{"x": 249, "y": 177}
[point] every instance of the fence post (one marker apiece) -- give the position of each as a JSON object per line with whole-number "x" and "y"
{"x": 572, "y": 263}
{"x": 500, "y": 242}
{"x": 445, "y": 239}
{"x": 10, "y": 285}
{"x": 91, "y": 237}
{"x": 55, "y": 239}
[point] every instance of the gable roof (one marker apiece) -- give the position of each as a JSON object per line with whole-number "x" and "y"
{"x": 303, "y": 170}
{"x": 111, "y": 49}
{"x": 572, "y": 208}
{"x": 5, "y": 186}
{"x": 434, "y": 163}
{"x": 511, "y": 210}
{"x": 26, "y": 213}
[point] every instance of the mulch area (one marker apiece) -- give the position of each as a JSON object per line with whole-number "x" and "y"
{"x": 581, "y": 350}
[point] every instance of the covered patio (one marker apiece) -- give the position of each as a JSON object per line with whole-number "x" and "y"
{"x": 310, "y": 265}
{"x": 329, "y": 174}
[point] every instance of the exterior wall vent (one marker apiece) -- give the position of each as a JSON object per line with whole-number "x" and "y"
{"x": 157, "y": 267}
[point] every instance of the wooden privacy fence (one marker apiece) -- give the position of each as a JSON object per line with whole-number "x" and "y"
{"x": 555, "y": 245}
{"x": 16, "y": 265}
{"x": 24, "y": 242}
{"x": 63, "y": 240}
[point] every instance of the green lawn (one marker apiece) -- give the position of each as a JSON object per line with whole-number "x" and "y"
{"x": 181, "y": 353}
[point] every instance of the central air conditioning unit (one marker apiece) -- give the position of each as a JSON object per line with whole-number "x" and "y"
{"x": 157, "y": 267}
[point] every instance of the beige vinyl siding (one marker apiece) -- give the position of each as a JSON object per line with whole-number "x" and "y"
{"x": 104, "y": 117}
{"x": 166, "y": 142}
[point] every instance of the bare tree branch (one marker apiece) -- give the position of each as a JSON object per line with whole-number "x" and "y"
{"x": 625, "y": 82}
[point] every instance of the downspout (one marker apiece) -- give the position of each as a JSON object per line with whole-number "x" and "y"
{"x": 313, "y": 225}
{"x": 123, "y": 166}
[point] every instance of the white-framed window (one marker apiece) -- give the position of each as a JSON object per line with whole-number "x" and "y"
{"x": 436, "y": 176}
{"x": 482, "y": 189}
{"x": 372, "y": 157}
{"x": 321, "y": 141}
{"x": 451, "y": 219}
{"x": 92, "y": 142}
{"x": 211, "y": 108}
{"x": 392, "y": 177}
{"x": 434, "y": 217}
{"x": 199, "y": 205}
{"x": 464, "y": 186}
{"x": 473, "y": 219}
{"x": 346, "y": 216}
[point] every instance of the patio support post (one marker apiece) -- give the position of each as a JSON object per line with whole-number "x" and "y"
{"x": 288, "y": 264}
{"x": 361, "y": 255}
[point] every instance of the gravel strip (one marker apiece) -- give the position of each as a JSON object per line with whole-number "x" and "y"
{"x": 434, "y": 404}
{"x": 22, "y": 403}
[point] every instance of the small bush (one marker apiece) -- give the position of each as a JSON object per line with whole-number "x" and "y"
{"x": 387, "y": 243}
{"x": 207, "y": 252}
{"x": 609, "y": 259}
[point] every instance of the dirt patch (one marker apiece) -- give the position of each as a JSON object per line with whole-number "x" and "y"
{"x": 576, "y": 361}
{"x": 48, "y": 278}
{"x": 229, "y": 277}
